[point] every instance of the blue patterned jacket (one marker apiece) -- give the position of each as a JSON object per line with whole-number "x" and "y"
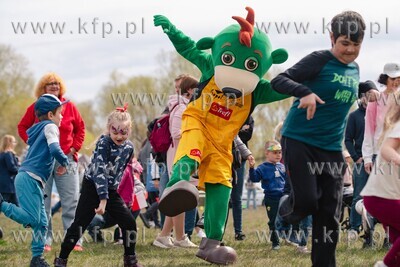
{"x": 107, "y": 164}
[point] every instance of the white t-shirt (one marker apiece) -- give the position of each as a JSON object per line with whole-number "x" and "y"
{"x": 384, "y": 180}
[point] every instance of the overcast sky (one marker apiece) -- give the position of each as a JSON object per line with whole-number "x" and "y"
{"x": 85, "y": 59}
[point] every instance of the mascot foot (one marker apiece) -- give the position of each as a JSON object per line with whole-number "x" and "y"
{"x": 214, "y": 251}
{"x": 180, "y": 197}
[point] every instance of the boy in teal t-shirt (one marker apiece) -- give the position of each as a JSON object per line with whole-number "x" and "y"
{"x": 325, "y": 84}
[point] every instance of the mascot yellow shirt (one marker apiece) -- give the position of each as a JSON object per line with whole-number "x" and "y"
{"x": 209, "y": 125}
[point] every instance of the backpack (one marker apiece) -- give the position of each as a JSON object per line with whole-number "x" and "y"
{"x": 160, "y": 137}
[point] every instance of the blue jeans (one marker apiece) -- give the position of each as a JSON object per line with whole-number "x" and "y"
{"x": 236, "y": 198}
{"x": 31, "y": 210}
{"x": 360, "y": 178}
{"x": 296, "y": 233}
{"x": 190, "y": 221}
{"x": 164, "y": 179}
{"x": 304, "y": 230}
{"x": 251, "y": 193}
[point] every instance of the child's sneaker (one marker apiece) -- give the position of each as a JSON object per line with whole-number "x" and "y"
{"x": 276, "y": 247}
{"x": 78, "y": 248}
{"x": 240, "y": 236}
{"x": 47, "y": 248}
{"x": 131, "y": 261}
{"x": 163, "y": 242}
{"x": 38, "y": 261}
{"x": 185, "y": 243}
{"x": 303, "y": 249}
{"x": 58, "y": 262}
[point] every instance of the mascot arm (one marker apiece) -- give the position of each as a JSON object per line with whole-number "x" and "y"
{"x": 264, "y": 94}
{"x": 186, "y": 47}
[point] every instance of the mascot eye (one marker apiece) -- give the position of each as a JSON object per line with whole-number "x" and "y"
{"x": 251, "y": 64}
{"x": 228, "y": 58}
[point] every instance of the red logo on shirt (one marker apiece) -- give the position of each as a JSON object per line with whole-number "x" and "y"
{"x": 220, "y": 111}
{"x": 195, "y": 152}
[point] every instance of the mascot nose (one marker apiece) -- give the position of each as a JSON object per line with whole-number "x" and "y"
{"x": 229, "y": 92}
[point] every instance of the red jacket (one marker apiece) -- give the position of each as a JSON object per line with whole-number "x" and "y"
{"x": 72, "y": 128}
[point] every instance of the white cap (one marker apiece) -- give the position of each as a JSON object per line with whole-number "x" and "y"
{"x": 392, "y": 70}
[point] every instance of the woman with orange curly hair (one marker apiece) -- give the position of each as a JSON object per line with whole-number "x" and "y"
{"x": 72, "y": 134}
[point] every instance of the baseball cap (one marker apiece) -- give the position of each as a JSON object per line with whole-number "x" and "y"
{"x": 392, "y": 70}
{"x": 364, "y": 87}
{"x": 46, "y": 103}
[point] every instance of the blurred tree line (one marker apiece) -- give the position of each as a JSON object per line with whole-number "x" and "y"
{"x": 147, "y": 97}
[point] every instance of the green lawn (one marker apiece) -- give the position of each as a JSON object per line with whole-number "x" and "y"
{"x": 251, "y": 252}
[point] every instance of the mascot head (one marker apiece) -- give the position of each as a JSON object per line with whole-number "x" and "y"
{"x": 242, "y": 55}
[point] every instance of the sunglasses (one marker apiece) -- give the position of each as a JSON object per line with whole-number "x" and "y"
{"x": 53, "y": 83}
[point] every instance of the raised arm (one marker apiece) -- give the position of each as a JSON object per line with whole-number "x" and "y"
{"x": 185, "y": 46}
{"x": 291, "y": 81}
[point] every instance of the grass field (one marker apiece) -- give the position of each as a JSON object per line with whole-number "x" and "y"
{"x": 254, "y": 251}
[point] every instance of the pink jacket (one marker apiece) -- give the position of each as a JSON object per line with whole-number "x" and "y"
{"x": 177, "y": 105}
{"x": 374, "y": 119}
{"x": 130, "y": 182}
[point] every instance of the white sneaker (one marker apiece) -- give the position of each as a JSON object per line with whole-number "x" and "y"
{"x": 201, "y": 234}
{"x": 163, "y": 242}
{"x": 185, "y": 243}
{"x": 380, "y": 264}
{"x": 303, "y": 249}
{"x": 276, "y": 247}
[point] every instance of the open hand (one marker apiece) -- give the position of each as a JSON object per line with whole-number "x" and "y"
{"x": 310, "y": 103}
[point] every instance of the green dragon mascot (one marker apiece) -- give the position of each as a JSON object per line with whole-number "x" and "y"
{"x": 230, "y": 88}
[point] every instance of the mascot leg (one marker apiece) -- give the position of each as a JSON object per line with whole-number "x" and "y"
{"x": 216, "y": 210}
{"x": 180, "y": 195}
